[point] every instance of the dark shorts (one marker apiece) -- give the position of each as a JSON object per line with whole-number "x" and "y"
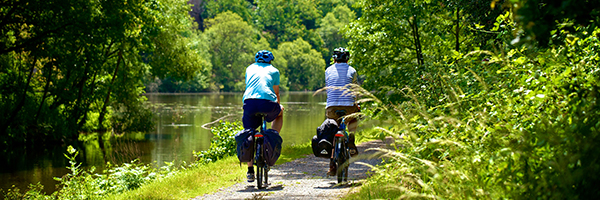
{"x": 255, "y": 106}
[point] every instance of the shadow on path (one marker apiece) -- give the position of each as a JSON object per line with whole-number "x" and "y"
{"x": 253, "y": 188}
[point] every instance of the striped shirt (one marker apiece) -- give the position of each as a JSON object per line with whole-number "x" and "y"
{"x": 338, "y": 75}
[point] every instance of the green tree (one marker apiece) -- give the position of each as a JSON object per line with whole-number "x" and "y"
{"x": 330, "y": 27}
{"x": 67, "y": 63}
{"x": 469, "y": 22}
{"x": 197, "y": 54}
{"x": 388, "y": 42}
{"x": 539, "y": 18}
{"x": 233, "y": 43}
{"x": 327, "y": 6}
{"x": 305, "y": 69}
{"x": 399, "y": 44}
{"x": 242, "y": 8}
{"x": 286, "y": 21}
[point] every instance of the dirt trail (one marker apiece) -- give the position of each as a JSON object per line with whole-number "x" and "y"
{"x": 304, "y": 178}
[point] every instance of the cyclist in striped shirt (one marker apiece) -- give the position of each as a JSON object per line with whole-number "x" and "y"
{"x": 339, "y": 75}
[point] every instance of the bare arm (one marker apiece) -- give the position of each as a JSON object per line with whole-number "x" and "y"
{"x": 355, "y": 78}
{"x": 276, "y": 90}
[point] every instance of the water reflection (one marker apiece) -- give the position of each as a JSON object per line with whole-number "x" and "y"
{"x": 177, "y": 133}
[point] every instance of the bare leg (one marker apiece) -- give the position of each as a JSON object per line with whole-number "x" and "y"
{"x": 352, "y": 125}
{"x": 277, "y": 124}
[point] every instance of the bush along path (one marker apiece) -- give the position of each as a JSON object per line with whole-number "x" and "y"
{"x": 305, "y": 178}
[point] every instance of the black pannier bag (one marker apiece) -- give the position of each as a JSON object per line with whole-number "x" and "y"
{"x": 322, "y": 143}
{"x": 245, "y": 145}
{"x": 272, "y": 144}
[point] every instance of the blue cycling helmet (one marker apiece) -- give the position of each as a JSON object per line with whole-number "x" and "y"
{"x": 264, "y": 56}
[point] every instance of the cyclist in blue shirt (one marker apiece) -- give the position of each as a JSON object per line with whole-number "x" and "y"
{"x": 262, "y": 96}
{"x": 339, "y": 75}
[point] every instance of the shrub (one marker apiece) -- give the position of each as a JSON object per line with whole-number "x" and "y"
{"x": 222, "y": 143}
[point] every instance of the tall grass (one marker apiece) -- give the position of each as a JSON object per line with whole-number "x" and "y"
{"x": 530, "y": 134}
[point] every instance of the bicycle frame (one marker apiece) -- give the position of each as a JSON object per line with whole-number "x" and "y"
{"x": 344, "y": 133}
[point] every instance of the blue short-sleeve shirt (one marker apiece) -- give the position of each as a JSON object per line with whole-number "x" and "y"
{"x": 260, "y": 79}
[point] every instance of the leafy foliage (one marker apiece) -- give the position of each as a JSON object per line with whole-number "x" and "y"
{"x": 539, "y": 18}
{"x": 240, "y": 7}
{"x": 482, "y": 119}
{"x": 398, "y": 44}
{"x": 222, "y": 143}
{"x": 520, "y": 126}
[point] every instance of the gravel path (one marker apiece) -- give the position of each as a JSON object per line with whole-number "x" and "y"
{"x": 304, "y": 178}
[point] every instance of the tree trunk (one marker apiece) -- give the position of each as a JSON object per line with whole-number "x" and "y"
{"x": 417, "y": 41}
{"x": 101, "y": 129}
{"x": 13, "y": 115}
{"x": 85, "y": 112}
{"x": 76, "y": 114}
{"x": 106, "y": 55}
{"x": 45, "y": 95}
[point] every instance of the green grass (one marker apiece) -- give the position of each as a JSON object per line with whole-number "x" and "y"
{"x": 374, "y": 189}
{"x": 190, "y": 183}
{"x": 206, "y": 178}
{"x": 290, "y": 153}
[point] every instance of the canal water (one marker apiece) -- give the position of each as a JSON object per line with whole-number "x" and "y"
{"x": 181, "y": 122}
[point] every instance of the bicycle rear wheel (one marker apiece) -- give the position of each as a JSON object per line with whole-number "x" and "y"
{"x": 259, "y": 171}
{"x": 342, "y": 175}
{"x": 264, "y": 177}
{"x": 261, "y": 168}
{"x": 344, "y": 169}
{"x": 261, "y": 177}
{"x": 340, "y": 161}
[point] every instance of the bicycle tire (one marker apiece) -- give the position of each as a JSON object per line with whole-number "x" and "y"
{"x": 262, "y": 177}
{"x": 261, "y": 162}
{"x": 265, "y": 173}
{"x": 340, "y": 160}
{"x": 346, "y": 156}
{"x": 342, "y": 175}
{"x": 259, "y": 167}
